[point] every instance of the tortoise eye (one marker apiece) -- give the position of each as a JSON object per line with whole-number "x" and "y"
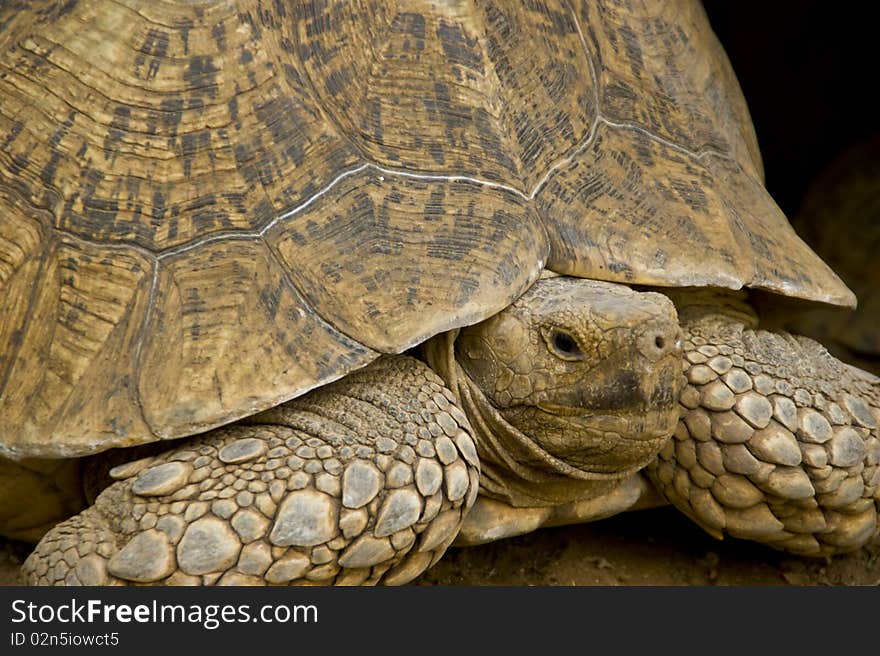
{"x": 564, "y": 345}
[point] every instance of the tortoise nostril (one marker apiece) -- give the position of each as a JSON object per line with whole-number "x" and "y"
{"x": 659, "y": 342}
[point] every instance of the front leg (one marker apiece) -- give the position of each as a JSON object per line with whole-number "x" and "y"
{"x": 363, "y": 481}
{"x": 778, "y": 441}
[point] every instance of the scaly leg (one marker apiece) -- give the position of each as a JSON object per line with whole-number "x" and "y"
{"x": 778, "y": 441}
{"x": 365, "y": 480}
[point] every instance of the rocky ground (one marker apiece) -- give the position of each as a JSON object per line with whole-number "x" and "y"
{"x": 652, "y": 547}
{"x": 11, "y": 555}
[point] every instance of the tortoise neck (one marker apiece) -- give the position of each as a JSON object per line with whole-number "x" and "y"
{"x": 513, "y": 467}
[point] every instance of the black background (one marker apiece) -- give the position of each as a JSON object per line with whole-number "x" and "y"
{"x": 809, "y": 70}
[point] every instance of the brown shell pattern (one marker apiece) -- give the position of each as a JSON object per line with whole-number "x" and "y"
{"x": 207, "y": 208}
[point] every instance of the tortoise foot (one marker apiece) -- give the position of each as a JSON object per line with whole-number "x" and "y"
{"x": 364, "y": 481}
{"x": 778, "y": 441}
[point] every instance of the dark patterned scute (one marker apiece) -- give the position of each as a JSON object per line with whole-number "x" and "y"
{"x": 209, "y": 208}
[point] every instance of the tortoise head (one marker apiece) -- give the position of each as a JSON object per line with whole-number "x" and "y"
{"x": 588, "y": 371}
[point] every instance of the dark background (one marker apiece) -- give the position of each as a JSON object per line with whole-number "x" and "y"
{"x": 809, "y": 71}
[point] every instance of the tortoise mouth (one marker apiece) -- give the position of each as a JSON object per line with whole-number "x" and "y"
{"x": 631, "y": 425}
{"x": 595, "y": 441}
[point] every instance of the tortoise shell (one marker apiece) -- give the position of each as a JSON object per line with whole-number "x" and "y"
{"x": 207, "y": 208}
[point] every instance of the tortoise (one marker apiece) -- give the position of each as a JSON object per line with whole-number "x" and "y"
{"x": 328, "y": 286}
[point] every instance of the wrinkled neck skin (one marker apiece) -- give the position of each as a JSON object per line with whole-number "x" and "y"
{"x": 695, "y": 304}
{"x": 514, "y": 468}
